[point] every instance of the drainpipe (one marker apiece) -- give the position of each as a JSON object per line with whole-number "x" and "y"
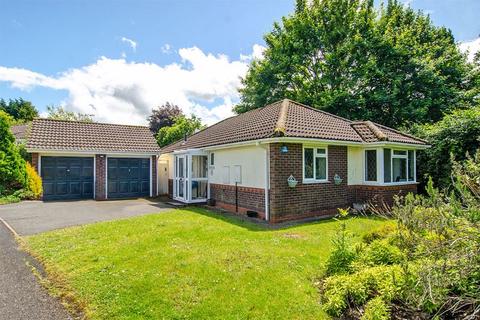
{"x": 267, "y": 179}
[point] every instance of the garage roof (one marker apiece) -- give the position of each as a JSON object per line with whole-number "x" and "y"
{"x": 76, "y": 136}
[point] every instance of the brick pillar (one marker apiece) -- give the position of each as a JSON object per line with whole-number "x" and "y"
{"x": 34, "y": 162}
{"x": 154, "y": 176}
{"x": 100, "y": 176}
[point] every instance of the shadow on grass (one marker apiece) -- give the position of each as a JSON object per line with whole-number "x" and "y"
{"x": 262, "y": 226}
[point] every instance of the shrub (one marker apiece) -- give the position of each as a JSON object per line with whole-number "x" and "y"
{"x": 12, "y": 166}
{"x": 379, "y": 233}
{"x": 34, "y": 182}
{"x": 381, "y": 252}
{"x": 342, "y": 256}
{"x": 376, "y": 309}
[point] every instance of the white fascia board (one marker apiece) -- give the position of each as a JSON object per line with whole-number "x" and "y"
{"x": 89, "y": 153}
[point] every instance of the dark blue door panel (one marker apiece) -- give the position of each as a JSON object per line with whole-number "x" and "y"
{"x": 67, "y": 178}
{"x": 128, "y": 177}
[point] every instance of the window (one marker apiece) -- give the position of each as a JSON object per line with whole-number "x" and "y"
{"x": 370, "y": 165}
{"x": 399, "y": 166}
{"x": 315, "y": 165}
{"x": 411, "y": 165}
{"x": 387, "y": 165}
{"x": 212, "y": 159}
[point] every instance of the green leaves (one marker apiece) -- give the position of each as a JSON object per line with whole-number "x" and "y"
{"x": 390, "y": 65}
{"x": 182, "y": 126}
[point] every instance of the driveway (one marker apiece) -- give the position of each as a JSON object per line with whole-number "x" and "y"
{"x": 30, "y": 217}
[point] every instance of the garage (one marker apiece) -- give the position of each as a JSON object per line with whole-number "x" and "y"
{"x": 67, "y": 178}
{"x": 128, "y": 177}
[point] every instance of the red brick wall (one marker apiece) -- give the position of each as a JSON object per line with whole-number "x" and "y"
{"x": 100, "y": 177}
{"x": 248, "y": 198}
{"x": 305, "y": 200}
{"x": 154, "y": 176}
{"x": 379, "y": 195}
{"x": 34, "y": 161}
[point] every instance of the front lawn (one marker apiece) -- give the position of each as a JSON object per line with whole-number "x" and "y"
{"x": 191, "y": 264}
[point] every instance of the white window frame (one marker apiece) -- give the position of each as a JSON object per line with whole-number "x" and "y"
{"x": 376, "y": 167}
{"x": 381, "y": 168}
{"x": 315, "y": 155}
{"x": 405, "y": 156}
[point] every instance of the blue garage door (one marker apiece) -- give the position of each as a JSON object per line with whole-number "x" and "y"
{"x": 67, "y": 178}
{"x": 128, "y": 177}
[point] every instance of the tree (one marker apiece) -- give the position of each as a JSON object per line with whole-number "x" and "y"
{"x": 181, "y": 127}
{"x": 59, "y": 113}
{"x": 12, "y": 166}
{"x": 163, "y": 116}
{"x": 390, "y": 65}
{"x": 452, "y": 138}
{"x": 22, "y": 111}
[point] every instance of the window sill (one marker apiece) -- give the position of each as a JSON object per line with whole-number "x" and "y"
{"x": 315, "y": 181}
{"x": 372, "y": 183}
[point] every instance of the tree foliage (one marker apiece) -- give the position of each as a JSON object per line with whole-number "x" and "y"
{"x": 390, "y": 65}
{"x": 59, "y": 113}
{"x": 163, "y": 116}
{"x": 12, "y": 166}
{"x": 452, "y": 138}
{"x": 22, "y": 111}
{"x": 181, "y": 127}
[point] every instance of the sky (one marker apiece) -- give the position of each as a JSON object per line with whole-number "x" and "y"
{"x": 118, "y": 59}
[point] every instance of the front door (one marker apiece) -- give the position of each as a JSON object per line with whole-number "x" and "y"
{"x": 180, "y": 178}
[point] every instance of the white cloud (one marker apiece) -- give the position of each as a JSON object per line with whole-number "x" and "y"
{"x": 130, "y": 42}
{"x": 470, "y": 47}
{"x": 166, "y": 48}
{"x": 118, "y": 91}
{"x": 257, "y": 53}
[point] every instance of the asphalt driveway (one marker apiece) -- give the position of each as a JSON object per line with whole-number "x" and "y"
{"x": 30, "y": 217}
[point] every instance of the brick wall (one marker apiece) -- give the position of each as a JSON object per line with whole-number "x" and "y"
{"x": 248, "y": 198}
{"x": 154, "y": 176}
{"x": 380, "y": 195}
{"x": 305, "y": 200}
{"x": 170, "y": 188}
{"x": 34, "y": 161}
{"x": 100, "y": 177}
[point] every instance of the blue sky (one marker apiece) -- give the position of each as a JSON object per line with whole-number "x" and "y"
{"x": 117, "y": 59}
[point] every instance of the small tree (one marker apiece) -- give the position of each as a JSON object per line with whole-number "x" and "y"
{"x": 12, "y": 166}
{"x": 21, "y": 110}
{"x": 163, "y": 116}
{"x": 59, "y": 113}
{"x": 182, "y": 126}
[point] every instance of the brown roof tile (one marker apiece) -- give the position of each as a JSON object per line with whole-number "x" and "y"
{"x": 290, "y": 119}
{"x": 60, "y": 135}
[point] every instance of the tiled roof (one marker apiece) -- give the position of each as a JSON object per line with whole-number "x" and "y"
{"x": 20, "y": 131}
{"x": 287, "y": 118}
{"x": 60, "y": 135}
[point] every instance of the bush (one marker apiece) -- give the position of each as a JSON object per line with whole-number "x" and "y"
{"x": 12, "y": 166}
{"x": 34, "y": 183}
{"x": 376, "y": 309}
{"x": 379, "y": 233}
{"x": 342, "y": 256}
{"x": 381, "y": 252}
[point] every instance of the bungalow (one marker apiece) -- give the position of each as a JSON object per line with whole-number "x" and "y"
{"x": 289, "y": 161}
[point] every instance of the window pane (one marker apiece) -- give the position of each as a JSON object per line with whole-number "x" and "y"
{"x": 399, "y": 169}
{"x": 387, "y": 165}
{"x": 199, "y": 190}
{"x": 199, "y": 166}
{"x": 321, "y": 151}
{"x": 212, "y": 159}
{"x": 371, "y": 165}
{"x": 321, "y": 168}
{"x": 411, "y": 165}
{"x": 308, "y": 164}
{"x": 399, "y": 152}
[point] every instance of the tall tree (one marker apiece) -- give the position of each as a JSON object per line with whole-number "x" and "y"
{"x": 21, "y": 110}
{"x": 181, "y": 127}
{"x": 12, "y": 166}
{"x": 163, "y": 116}
{"x": 390, "y": 65}
{"x": 59, "y": 113}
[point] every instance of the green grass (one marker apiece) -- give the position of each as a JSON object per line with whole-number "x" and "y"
{"x": 192, "y": 264}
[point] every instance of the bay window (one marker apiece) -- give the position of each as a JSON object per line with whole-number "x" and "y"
{"x": 398, "y": 166}
{"x": 315, "y": 166}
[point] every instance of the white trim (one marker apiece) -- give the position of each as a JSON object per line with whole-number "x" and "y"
{"x": 66, "y": 154}
{"x": 314, "y": 147}
{"x": 91, "y": 152}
